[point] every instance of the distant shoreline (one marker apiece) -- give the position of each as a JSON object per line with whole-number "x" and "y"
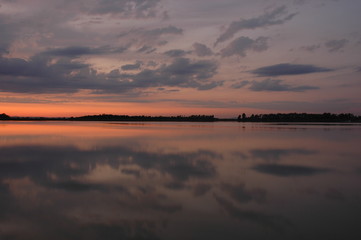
{"x": 277, "y": 117}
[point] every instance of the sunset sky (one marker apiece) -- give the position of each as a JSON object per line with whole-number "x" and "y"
{"x": 169, "y": 57}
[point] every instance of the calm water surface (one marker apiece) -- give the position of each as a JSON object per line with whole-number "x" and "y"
{"x": 73, "y": 180}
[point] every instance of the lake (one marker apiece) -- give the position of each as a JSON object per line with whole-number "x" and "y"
{"x": 149, "y": 180}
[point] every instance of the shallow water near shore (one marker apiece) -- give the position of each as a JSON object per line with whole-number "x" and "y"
{"x": 169, "y": 180}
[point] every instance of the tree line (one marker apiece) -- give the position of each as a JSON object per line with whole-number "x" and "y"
{"x": 272, "y": 117}
{"x": 111, "y": 117}
{"x": 299, "y": 117}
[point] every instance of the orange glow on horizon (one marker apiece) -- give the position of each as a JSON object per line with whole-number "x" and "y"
{"x": 81, "y": 109}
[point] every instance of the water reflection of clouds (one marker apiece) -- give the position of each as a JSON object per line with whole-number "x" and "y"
{"x": 242, "y": 194}
{"x": 64, "y": 168}
{"x": 60, "y": 171}
{"x": 288, "y": 170}
{"x": 278, "y": 154}
{"x": 180, "y": 185}
{"x": 66, "y": 161}
{"x": 273, "y": 154}
{"x": 274, "y": 222}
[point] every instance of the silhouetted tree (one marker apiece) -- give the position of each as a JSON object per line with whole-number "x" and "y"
{"x": 4, "y": 116}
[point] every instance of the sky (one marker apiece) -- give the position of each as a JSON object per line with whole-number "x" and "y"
{"x": 169, "y": 57}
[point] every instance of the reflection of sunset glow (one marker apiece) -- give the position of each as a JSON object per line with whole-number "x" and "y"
{"x": 162, "y": 179}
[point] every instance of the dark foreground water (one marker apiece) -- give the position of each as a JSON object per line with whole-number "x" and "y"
{"x": 71, "y": 180}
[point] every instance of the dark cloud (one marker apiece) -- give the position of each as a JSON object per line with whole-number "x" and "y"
{"x": 19, "y": 67}
{"x": 42, "y": 75}
{"x": 152, "y": 63}
{"x": 311, "y": 48}
{"x": 275, "y": 85}
{"x": 146, "y": 49}
{"x": 164, "y": 30}
{"x": 176, "y": 53}
{"x": 288, "y": 170}
{"x": 149, "y": 38}
{"x": 7, "y": 35}
{"x": 272, "y": 85}
{"x": 240, "y": 84}
{"x": 134, "y": 66}
{"x": 201, "y": 50}
{"x": 288, "y": 69}
{"x": 336, "y": 45}
{"x": 126, "y": 8}
{"x": 39, "y": 75}
{"x": 182, "y": 72}
{"x": 75, "y": 51}
{"x": 242, "y": 45}
{"x": 275, "y": 17}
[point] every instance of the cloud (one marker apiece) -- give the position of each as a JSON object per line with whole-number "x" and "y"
{"x": 134, "y": 66}
{"x": 182, "y": 72}
{"x": 41, "y": 74}
{"x": 37, "y": 66}
{"x": 202, "y": 50}
{"x": 242, "y": 45}
{"x": 75, "y": 51}
{"x": 147, "y": 38}
{"x": 336, "y": 45}
{"x": 288, "y": 170}
{"x": 8, "y": 31}
{"x": 176, "y": 53}
{"x": 164, "y": 30}
{"x": 273, "y": 85}
{"x": 126, "y": 8}
{"x": 146, "y": 49}
{"x": 311, "y": 48}
{"x": 275, "y": 17}
{"x": 240, "y": 84}
{"x": 288, "y": 69}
